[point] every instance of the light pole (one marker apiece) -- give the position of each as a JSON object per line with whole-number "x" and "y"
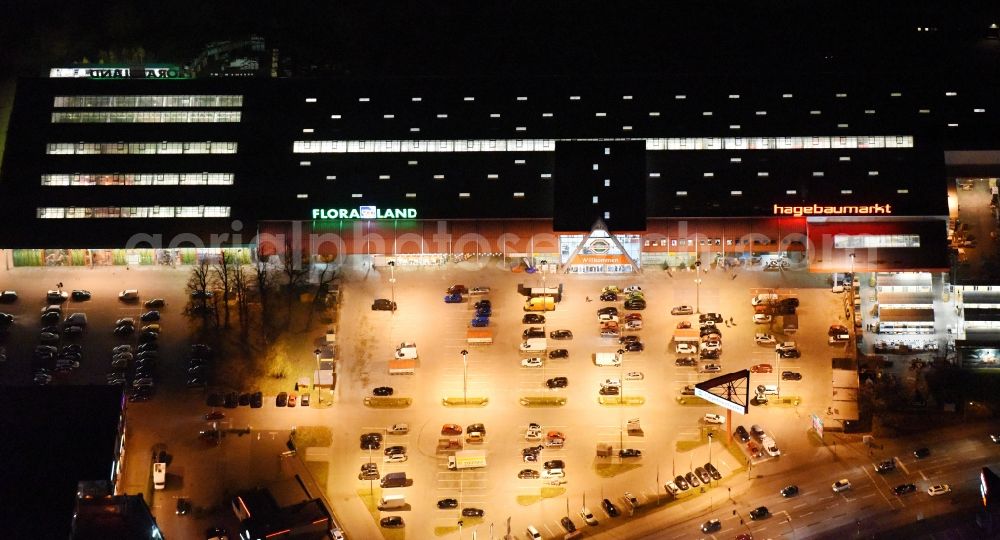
{"x": 777, "y": 370}
{"x": 392, "y": 282}
{"x": 465, "y": 377}
{"x": 621, "y": 376}
{"x": 697, "y": 295}
{"x": 317, "y": 353}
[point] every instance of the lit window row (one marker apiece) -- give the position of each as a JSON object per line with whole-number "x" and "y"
{"x": 848, "y": 241}
{"x": 781, "y": 143}
{"x": 111, "y": 212}
{"x": 145, "y": 117}
{"x": 148, "y": 101}
{"x": 548, "y": 145}
{"x": 129, "y": 179}
{"x": 115, "y": 148}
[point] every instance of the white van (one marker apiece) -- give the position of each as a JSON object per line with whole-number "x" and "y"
{"x": 389, "y": 502}
{"x": 767, "y": 389}
{"x": 607, "y": 359}
{"x": 533, "y": 533}
{"x": 159, "y": 475}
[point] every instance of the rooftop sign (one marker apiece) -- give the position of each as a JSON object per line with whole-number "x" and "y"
{"x": 119, "y": 72}
{"x": 817, "y": 210}
{"x": 364, "y": 212}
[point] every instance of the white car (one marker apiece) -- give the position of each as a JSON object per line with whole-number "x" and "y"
{"x": 712, "y": 345}
{"x": 394, "y": 458}
{"x": 534, "y": 433}
{"x": 672, "y": 488}
{"x": 476, "y": 291}
{"x": 399, "y": 429}
{"x": 939, "y": 489}
{"x": 770, "y": 446}
{"x": 710, "y": 368}
{"x": 786, "y": 346}
{"x": 588, "y": 516}
{"x": 606, "y": 317}
{"x": 534, "y": 361}
{"x": 763, "y": 339}
{"x": 682, "y": 310}
{"x": 129, "y": 295}
{"x": 611, "y": 383}
{"x": 714, "y": 419}
{"x": 761, "y": 318}
{"x": 631, "y": 289}
{"x": 686, "y": 348}
{"x": 634, "y": 376}
{"x": 632, "y": 501}
{"x": 841, "y": 485}
{"x": 555, "y": 481}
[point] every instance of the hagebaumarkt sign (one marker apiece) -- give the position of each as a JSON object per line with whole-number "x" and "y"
{"x": 819, "y": 210}
{"x": 364, "y": 212}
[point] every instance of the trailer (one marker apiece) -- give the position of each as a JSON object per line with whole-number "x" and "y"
{"x": 479, "y": 336}
{"x": 402, "y": 367}
{"x": 533, "y": 292}
{"x": 790, "y": 323}
{"x": 689, "y": 335}
{"x": 467, "y": 459}
{"x": 406, "y": 351}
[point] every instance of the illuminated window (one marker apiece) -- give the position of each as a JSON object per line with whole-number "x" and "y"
{"x": 464, "y": 195}
{"x": 105, "y": 212}
{"x": 847, "y": 241}
{"x": 654, "y": 113}
{"x": 736, "y": 193}
{"x": 138, "y": 148}
{"x": 846, "y": 191}
{"x": 518, "y": 194}
{"x": 388, "y": 116}
{"x": 790, "y": 192}
{"x": 902, "y": 191}
{"x": 522, "y": 98}
{"x": 600, "y": 114}
{"x": 654, "y": 175}
{"x": 411, "y": 195}
{"x": 302, "y": 196}
{"x": 145, "y": 117}
{"x": 761, "y": 113}
{"x": 682, "y": 194}
{"x": 147, "y": 101}
{"x": 416, "y": 99}
{"x": 134, "y": 179}
{"x": 708, "y": 174}
{"x": 492, "y": 176}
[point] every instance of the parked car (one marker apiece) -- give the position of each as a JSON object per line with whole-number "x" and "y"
{"x": 528, "y": 474}
{"x": 686, "y": 361}
{"x": 533, "y": 318}
{"x": 281, "y": 400}
{"x": 478, "y": 291}
{"x": 8, "y": 297}
{"x": 885, "y": 466}
{"x": 382, "y": 304}
{"x": 557, "y": 382}
{"x": 682, "y": 310}
{"x": 80, "y": 295}
{"x": 452, "y": 298}
{"x": 634, "y": 376}
{"x": 635, "y": 304}
{"x": 457, "y": 289}
{"x": 154, "y": 303}
{"x": 531, "y": 362}
{"x": 921, "y": 453}
{"x": 712, "y": 418}
{"x": 567, "y": 524}
{"x": 741, "y": 434}
{"x": 609, "y": 508}
{"x": 558, "y": 353}
{"x": 703, "y": 475}
{"x": 451, "y": 429}
{"x": 392, "y": 522}
{"x": 382, "y": 391}
{"x": 472, "y": 512}
{"x": 608, "y": 296}
{"x": 761, "y": 368}
{"x": 129, "y": 295}
{"x": 629, "y": 453}
{"x": 903, "y": 489}
{"x": 791, "y": 376}
{"x": 56, "y": 296}
{"x": 761, "y": 318}
{"x": 150, "y": 316}
{"x": 786, "y": 346}
{"x": 791, "y": 353}
{"x": 763, "y": 339}
{"x": 713, "y": 472}
{"x": 561, "y": 334}
{"x": 692, "y": 479}
{"x": 836, "y": 330}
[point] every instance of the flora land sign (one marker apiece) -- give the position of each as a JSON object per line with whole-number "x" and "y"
{"x": 364, "y": 212}
{"x": 819, "y": 210}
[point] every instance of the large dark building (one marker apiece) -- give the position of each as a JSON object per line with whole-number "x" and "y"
{"x": 828, "y": 165}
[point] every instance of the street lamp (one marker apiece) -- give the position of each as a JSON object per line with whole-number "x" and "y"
{"x": 392, "y": 282}
{"x": 465, "y": 376}
{"x": 320, "y": 394}
{"x": 777, "y": 369}
{"x": 697, "y": 295}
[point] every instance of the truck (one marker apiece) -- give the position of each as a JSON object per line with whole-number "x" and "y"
{"x": 406, "y": 351}
{"x": 394, "y": 479}
{"x": 607, "y": 359}
{"x": 540, "y": 303}
{"x": 402, "y": 367}
{"x": 533, "y": 292}
{"x": 790, "y": 323}
{"x": 603, "y": 450}
{"x": 533, "y": 345}
{"x": 479, "y": 336}
{"x": 467, "y": 459}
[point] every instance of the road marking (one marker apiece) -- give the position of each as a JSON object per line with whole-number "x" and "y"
{"x": 902, "y": 465}
{"x": 796, "y": 507}
{"x": 924, "y": 476}
{"x": 869, "y": 495}
{"x": 807, "y": 514}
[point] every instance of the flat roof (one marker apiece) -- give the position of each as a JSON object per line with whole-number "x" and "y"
{"x": 54, "y": 437}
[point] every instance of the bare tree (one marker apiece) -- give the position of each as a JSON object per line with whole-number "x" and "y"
{"x": 264, "y": 278}
{"x": 240, "y": 284}
{"x": 295, "y": 266}
{"x": 224, "y": 277}
{"x": 327, "y": 275}
{"x": 197, "y": 286}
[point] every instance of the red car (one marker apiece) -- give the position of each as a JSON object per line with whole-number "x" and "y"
{"x": 761, "y": 368}
{"x": 451, "y": 429}
{"x": 633, "y": 317}
{"x": 291, "y": 400}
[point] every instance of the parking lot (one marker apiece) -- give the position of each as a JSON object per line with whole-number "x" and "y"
{"x": 672, "y": 442}
{"x": 673, "y": 436}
